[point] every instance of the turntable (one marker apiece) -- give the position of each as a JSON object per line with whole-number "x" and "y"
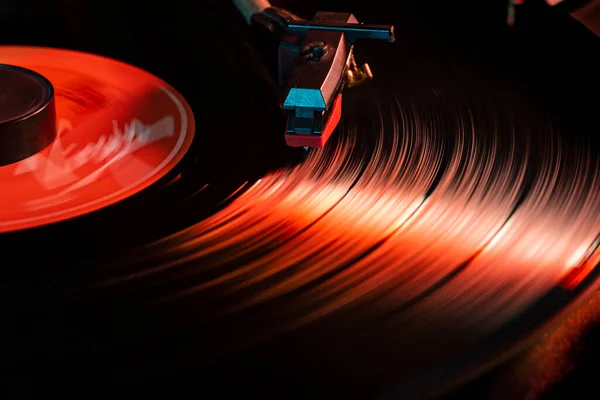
{"x": 188, "y": 205}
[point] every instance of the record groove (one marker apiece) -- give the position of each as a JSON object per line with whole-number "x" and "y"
{"x": 449, "y": 220}
{"x": 415, "y": 237}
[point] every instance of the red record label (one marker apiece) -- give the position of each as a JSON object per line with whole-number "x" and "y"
{"x": 120, "y": 129}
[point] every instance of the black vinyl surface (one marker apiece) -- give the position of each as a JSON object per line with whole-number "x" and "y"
{"x": 61, "y": 339}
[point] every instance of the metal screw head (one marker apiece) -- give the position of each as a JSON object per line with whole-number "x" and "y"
{"x": 315, "y": 50}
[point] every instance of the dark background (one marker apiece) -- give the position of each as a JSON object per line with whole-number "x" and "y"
{"x": 193, "y": 45}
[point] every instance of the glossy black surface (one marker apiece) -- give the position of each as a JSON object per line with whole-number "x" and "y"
{"x": 27, "y": 115}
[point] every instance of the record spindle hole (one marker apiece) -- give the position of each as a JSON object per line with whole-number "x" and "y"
{"x": 27, "y": 113}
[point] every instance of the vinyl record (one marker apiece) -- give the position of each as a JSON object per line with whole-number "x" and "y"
{"x": 119, "y": 130}
{"x": 450, "y": 221}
